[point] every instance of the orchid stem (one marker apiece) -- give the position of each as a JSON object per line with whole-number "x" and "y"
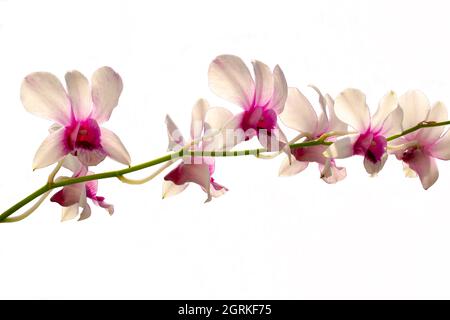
{"x": 176, "y": 155}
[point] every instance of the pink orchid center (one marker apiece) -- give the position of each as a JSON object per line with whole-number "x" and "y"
{"x": 370, "y": 145}
{"x": 409, "y": 154}
{"x": 259, "y": 118}
{"x": 83, "y": 135}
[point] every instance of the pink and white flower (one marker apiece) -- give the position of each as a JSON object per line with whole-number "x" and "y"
{"x": 198, "y": 170}
{"x": 418, "y": 150}
{"x": 300, "y": 115}
{"x": 369, "y": 140}
{"x": 74, "y": 197}
{"x": 261, "y": 99}
{"x": 78, "y": 114}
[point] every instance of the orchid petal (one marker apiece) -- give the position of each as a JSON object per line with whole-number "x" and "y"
{"x": 176, "y": 140}
{"x": 426, "y": 168}
{"x": 386, "y": 106}
{"x": 415, "y": 106}
{"x": 217, "y": 189}
{"x": 373, "y": 168}
{"x": 350, "y": 107}
{"x": 51, "y": 150}
{"x": 106, "y": 89}
{"x": 196, "y": 173}
{"x": 298, "y": 113}
{"x": 438, "y": 113}
{"x": 336, "y": 174}
{"x": 342, "y": 147}
{"x": 230, "y": 79}
{"x": 441, "y": 149}
{"x": 264, "y": 83}
{"x": 92, "y": 157}
{"x": 291, "y": 167}
{"x": 280, "y": 91}
{"x": 171, "y": 189}
{"x": 69, "y": 213}
{"x": 113, "y": 147}
{"x": 198, "y": 118}
{"x": 393, "y": 123}
{"x": 79, "y": 93}
{"x": 69, "y": 195}
{"x": 42, "y": 94}
{"x": 334, "y": 123}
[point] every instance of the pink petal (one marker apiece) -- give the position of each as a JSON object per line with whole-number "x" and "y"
{"x": 217, "y": 189}
{"x": 42, "y": 94}
{"x": 387, "y": 104}
{"x": 441, "y": 149}
{"x": 350, "y": 107}
{"x": 373, "y": 168}
{"x": 280, "y": 91}
{"x": 79, "y": 93}
{"x": 334, "y": 123}
{"x": 106, "y": 89}
{"x": 230, "y": 79}
{"x": 196, "y": 173}
{"x": 298, "y": 113}
{"x": 415, "y": 106}
{"x": 91, "y": 157}
{"x": 198, "y": 118}
{"x": 263, "y": 83}
{"x": 113, "y": 147}
{"x": 425, "y": 167}
{"x": 68, "y": 195}
{"x": 273, "y": 140}
{"x": 393, "y": 123}
{"x": 52, "y": 149}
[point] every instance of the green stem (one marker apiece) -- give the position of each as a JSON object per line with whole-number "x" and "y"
{"x": 173, "y": 156}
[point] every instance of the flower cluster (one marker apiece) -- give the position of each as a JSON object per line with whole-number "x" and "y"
{"x": 407, "y": 127}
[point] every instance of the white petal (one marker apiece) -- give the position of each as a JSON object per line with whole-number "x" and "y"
{"x": 106, "y": 89}
{"x": 230, "y": 79}
{"x": 69, "y": 213}
{"x": 298, "y": 113}
{"x": 230, "y": 135}
{"x": 171, "y": 189}
{"x": 280, "y": 90}
{"x": 51, "y": 150}
{"x": 290, "y": 168}
{"x": 426, "y": 168}
{"x": 415, "y": 106}
{"x": 176, "y": 140}
{"x": 113, "y": 147}
{"x": 342, "y": 147}
{"x": 387, "y": 104}
{"x": 437, "y": 114}
{"x": 322, "y": 122}
{"x": 43, "y": 95}
{"x": 393, "y": 123}
{"x": 198, "y": 118}
{"x": 441, "y": 149}
{"x": 350, "y": 107}
{"x": 263, "y": 83}
{"x": 72, "y": 163}
{"x": 217, "y": 118}
{"x": 334, "y": 123}
{"x": 79, "y": 93}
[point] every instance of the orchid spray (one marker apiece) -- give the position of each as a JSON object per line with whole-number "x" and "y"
{"x": 408, "y": 128}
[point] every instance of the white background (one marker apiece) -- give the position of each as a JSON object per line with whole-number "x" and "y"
{"x": 269, "y": 237}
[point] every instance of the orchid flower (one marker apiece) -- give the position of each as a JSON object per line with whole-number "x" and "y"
{"x": 78, "y": 114}
{"x": 74, "y": 197}
{"x": 198, "y": 170}
{"x": 261, "y": 99}
{"x": 299, "y": 115}
{"x": 418, "y": 150}
{"x": 369, "y": 140}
